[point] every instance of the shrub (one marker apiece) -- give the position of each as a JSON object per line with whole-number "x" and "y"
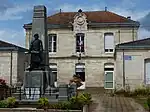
{"x": 2, "y": 82}
{"x": 11, "y": 101}
{"x": 85, "y": 98}
{"x": 3, "y": 104}
{"x": 43, "y": 103}
{"x": 61, "y": 105}
{"x": 148, "y": 102}
{"x": 77, "y": 102}
{"x": 142, "y": 91}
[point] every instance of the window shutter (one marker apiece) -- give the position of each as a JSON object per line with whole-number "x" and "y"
{"x": 109, "y": 41}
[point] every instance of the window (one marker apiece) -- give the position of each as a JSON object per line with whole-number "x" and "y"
{"x": 109, "y": 42}
{"x": 80, "y": 42}
{"x": 53, "y": 67}
{"x": 80, "y": 70}
{"x": 52, "y": 42}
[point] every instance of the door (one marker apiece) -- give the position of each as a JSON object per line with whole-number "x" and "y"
{"x": 147, "y": 71}
{"x": 109, "y": 80}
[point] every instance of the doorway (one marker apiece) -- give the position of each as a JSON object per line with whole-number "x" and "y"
{"x": 109, "y": 76}
{"x": 80, "y": 70}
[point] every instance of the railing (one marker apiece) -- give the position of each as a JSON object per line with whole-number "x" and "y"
{"x": 34, "y": 93}
{"x": 31, "y": 93}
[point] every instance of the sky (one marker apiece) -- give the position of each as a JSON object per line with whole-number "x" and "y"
{"x": 15, "y": 13}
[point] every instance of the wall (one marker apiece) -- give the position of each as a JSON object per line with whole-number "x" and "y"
{"x": 5, "y": 66}
{"x": 94, "y": 51}
{"x": 134, "y": 67}
{"x": 22, "y": 65}
{"x": 94, "y": 70}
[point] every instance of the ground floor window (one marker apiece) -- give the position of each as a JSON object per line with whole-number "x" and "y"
{"x": 80, "y": 70}
{"x": 53, "y": 67}
{"x": 109, "y": 76}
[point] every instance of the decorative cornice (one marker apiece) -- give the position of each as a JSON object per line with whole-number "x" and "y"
{"x": 76, "y": 57}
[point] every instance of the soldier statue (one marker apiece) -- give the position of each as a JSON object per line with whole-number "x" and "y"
{"x": 36, "y": 51}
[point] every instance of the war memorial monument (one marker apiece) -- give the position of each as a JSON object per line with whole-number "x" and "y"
{"x": 38, "y": 78}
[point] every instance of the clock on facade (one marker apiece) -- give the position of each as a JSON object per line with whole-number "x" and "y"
{"x": 80, "y": 20}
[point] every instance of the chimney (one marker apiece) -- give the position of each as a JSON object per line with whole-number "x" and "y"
{"x": 79, "y": 10}
{"x": 129, "y": 17}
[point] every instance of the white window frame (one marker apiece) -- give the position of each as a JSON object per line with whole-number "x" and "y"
{"x": 105, "y": 72}
{"x": 52, "y": 43}
{"x": 54, "y": 66}
{"x": 81, "y": 66}
{"x": 109, "y": 50}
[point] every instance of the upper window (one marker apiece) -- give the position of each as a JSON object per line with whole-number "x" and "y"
{"x": 109, "y": 42}
{"x": 79, "y": 42}
{"x": 52, "y": 42}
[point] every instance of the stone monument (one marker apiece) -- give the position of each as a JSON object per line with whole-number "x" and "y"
{"x": 38, "y": 78}
{"x": 38, "y": 75}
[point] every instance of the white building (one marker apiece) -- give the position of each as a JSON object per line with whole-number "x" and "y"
{"x": 12, "y": 62}
{"x": 95, "y": 35}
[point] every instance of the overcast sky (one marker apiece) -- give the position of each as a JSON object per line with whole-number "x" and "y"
{"x": 15, "y": 13}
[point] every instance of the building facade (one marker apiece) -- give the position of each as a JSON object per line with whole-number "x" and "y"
{"x": 133, "y": 64}
{"x": 91, "y": 36}
{"x": 12, "y": 62}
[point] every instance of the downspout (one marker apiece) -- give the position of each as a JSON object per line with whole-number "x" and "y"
{"x": 11, "y": 67}
{"x": 123, "y": 71}
{"x": 119, "y": 36}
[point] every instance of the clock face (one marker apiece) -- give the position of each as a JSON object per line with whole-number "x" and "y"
{"x": 80, "y": 20}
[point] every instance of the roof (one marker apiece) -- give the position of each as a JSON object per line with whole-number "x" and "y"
{"x": 62, "y": 18}
{"x": 93, "y": 16}
{"x": 5, "y": 46}
{"x": 138, "y": 44}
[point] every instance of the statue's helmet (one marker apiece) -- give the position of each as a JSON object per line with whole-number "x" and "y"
{"x": 36, "y": 36}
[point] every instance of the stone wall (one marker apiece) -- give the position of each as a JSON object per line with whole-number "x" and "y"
{"x": 134, "y": 67}
{"x": 94, "y": 51}
{"x": 5, "y": 66}
{"x": 94, "y": 70}
{"x": 18, "y": 60}
{"x": 22, "y": 64}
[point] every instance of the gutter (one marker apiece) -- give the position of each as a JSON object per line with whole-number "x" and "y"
{"x": 9, "y": 48}
{"x": 126, "y": 24}
{"x": 123, "y": 75}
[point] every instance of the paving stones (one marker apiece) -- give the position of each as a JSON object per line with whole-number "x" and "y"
{"x": 106, "y": 103}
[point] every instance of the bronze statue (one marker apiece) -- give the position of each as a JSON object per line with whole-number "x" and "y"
{"x": 36, "y": 51}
